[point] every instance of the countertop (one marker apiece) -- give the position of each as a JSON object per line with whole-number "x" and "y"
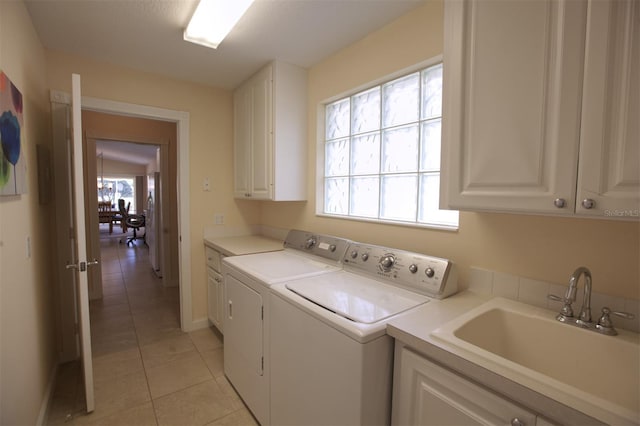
{"x": 245, "y": 244}
{"x": 414, "y": 329}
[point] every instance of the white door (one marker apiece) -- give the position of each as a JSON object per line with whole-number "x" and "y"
{"x": 609, "y": 170}
{"x": 79, "y": 261}
{"x": 261, "y": 134}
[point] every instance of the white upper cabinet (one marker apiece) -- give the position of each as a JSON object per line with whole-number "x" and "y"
{"x": 270, "y": 132}
{"x": 529, "y": 117}
{"x": 609, "y": 171}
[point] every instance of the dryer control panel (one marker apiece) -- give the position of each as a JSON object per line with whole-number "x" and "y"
{"x": 428, "y": 275}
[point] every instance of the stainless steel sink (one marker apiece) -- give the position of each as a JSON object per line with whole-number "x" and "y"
{"x": 599, "y": 373}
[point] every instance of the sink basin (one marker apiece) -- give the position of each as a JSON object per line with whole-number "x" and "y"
{"x": 596, "y": 374}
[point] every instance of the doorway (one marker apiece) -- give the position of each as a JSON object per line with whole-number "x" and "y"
{"x": 181, "y": 121}
{"x": 68, "y": 349}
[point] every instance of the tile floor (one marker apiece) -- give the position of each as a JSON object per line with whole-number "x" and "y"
{"x": 146, "y": 370}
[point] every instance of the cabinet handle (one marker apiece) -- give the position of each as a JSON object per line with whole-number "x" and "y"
{"x": 559, "y": 202}
{"x": 230, "y": 309}
{"x": 588, "y": 203}
{"x": 517, "y": 422}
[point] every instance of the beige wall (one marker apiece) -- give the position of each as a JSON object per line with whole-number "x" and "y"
{"x": 121, "y": 168}
{"x": 210, "y": 143}
{"x": 27, "y": 342}
{"x": 536, "y": 247}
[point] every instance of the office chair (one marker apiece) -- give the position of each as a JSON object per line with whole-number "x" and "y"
{"x": 135, "y": 221}
{"x": 122, "y": 214}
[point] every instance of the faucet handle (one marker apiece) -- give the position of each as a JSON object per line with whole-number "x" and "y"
{"x": 605, "y": 325}
{"x": 566, "y": 312}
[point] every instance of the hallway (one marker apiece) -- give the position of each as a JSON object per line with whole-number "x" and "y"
{"x": 146, "y": 370}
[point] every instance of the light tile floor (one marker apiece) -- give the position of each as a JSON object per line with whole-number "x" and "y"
{"x": 146, "y": 370}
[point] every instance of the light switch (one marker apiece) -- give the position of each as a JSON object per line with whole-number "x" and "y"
{"x": 219, "y": 219}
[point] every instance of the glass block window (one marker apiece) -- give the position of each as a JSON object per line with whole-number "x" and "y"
{"x": 382, "y": 152}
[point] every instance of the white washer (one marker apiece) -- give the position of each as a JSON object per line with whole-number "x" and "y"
{"x": 247, "y": 280}
{"x": 331, "y": 359}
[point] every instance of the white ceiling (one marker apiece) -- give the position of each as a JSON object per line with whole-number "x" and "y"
{"x": 147, "y": 34}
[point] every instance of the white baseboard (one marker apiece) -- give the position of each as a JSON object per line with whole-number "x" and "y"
{"x": 48, "y": 395}
{"x": 199, "y": 324}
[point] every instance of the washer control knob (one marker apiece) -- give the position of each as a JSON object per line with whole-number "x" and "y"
{"x": 332, "y": 248}
{"x": 429, "y": 272}
{"x": 354, "y": 254}
{"x": 413, "y": 268}
{"x": 387, "y": 261}
{"x": 310, "y": 243}
{"x": 365, "y": 256}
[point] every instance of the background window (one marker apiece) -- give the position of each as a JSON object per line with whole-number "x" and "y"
{"x": 113, "y": 188}
{"x": 382, "y": 152}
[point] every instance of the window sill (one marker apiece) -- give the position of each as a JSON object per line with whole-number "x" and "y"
{"x": 437, "y": 227}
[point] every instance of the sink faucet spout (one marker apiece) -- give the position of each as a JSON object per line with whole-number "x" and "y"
{"x": 584, "y": 319}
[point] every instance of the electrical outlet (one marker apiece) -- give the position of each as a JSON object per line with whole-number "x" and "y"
{"x": 219, "y": 219}
{"x": 206, "y": 185}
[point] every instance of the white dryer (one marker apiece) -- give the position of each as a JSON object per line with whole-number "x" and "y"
{"x": 247, "y": 281}
{"x": 331, "y": 359}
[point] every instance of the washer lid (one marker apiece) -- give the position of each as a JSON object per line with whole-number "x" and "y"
{"x": 279, "y": 266}
{"x": 357, "y": 298}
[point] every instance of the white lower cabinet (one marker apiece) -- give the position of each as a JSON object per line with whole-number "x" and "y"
{"x": 425, "y": 393}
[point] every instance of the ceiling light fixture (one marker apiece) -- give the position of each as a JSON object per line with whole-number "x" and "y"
{"x": 213, "y": 20}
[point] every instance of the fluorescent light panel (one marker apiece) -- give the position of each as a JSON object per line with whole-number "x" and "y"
{"x": 213, "y": 20}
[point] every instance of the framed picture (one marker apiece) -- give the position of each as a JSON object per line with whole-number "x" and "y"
{"x": 12, "y": 162}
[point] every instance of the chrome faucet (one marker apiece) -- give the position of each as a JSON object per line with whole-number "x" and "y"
{"x": 604, "y": 324}
{"x": 584, "y": 319}
{"x": 566, "y": 313}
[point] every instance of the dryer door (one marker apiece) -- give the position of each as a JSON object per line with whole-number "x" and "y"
{"x": 243, "y": 337}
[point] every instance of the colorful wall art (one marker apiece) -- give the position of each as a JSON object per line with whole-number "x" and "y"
{"x": 12, "y": 161}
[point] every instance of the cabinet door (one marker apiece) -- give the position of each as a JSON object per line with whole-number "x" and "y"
{"x": 211, "y": 296}
{"x": 219, "y": 313}
{"x": 262, "y": 134}
{"x": 431, "y": 395}
{"x": 511, "y": 100}
{"x": 243, "y": 320}
{"x": 242, "y": 101}
{"x": 215, "y": 299}
{"x": 609, "y": 172}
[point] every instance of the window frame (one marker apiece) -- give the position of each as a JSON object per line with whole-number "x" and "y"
{"x": 320, "y": 148}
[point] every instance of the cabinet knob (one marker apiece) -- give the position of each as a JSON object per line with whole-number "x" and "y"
{"x": 517, "y": 422}
{"x": 559, "y": 202}
{"x": 588, "y": 203}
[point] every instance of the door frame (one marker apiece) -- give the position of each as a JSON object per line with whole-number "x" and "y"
{"x": 181, "y": 118}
